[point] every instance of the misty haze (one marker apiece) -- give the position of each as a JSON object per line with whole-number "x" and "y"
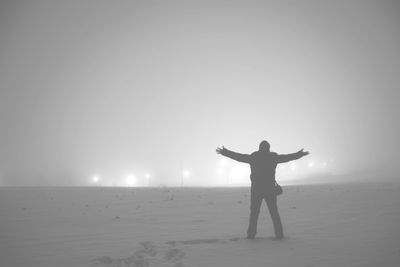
{"x": 111, "y": 114}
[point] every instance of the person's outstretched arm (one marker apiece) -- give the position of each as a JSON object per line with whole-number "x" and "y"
{"x": 289, "y": 157}
{"x": 233, "y": 155}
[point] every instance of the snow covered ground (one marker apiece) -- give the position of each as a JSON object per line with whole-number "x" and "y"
{"x": 326, "y": 225}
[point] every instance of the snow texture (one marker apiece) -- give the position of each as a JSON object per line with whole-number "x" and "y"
{"x": 325, "y": 225}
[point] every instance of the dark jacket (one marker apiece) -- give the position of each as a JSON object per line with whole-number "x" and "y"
{"x": 263, "y": 165}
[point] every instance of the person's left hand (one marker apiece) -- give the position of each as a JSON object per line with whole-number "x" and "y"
{"x": 220, "y": 150}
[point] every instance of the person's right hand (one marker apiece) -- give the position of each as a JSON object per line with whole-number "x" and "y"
{"x": 303, "y": 153}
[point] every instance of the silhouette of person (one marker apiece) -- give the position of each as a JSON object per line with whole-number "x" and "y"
{"x": 263, "y": 164}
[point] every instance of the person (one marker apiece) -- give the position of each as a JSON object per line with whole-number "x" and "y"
{"x": 263, "y": 164}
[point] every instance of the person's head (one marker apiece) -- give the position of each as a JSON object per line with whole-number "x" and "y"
{"x": 264, "y": 146}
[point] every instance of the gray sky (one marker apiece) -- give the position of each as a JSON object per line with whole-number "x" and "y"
{"x": 112, "y": 88}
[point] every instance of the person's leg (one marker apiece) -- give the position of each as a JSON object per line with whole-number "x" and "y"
{"x": 255, "y": 205}
{"x": 273, "y": 211}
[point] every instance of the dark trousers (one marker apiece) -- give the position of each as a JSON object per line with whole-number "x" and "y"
{"x": 271, "y": 200}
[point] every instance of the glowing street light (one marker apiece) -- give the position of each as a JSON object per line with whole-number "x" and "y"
{"x": 147, "y": 175}
{"x": 293, "y": 166}
{"x": 185, "y": 173}
{"x": 310, "y": 164}
{"x": 130, "y": 180}
{"x": 223, "y": 161}
{"x": 95, "y": 179}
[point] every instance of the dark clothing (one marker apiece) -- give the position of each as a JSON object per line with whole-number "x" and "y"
{"x": 263, "y": 165}
{"x": 255, "y": 205}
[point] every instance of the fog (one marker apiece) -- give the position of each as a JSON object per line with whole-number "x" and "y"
{"x": 149, "y": 89}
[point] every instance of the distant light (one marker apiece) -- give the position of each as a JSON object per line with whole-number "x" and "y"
{"x": 239, "y": 175}
{"x": 95, "y": 179}
{"x": 293, "y": 166}
{"x": 324, "y": 164}
{"x": 223, "y": 161}
{"x": 186, "y": 173}
{"x": 310, "y": 164}
{"x": 130, "y": 180}
{"x": 147, "y": 175}
{"x": 220, "y": 171}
